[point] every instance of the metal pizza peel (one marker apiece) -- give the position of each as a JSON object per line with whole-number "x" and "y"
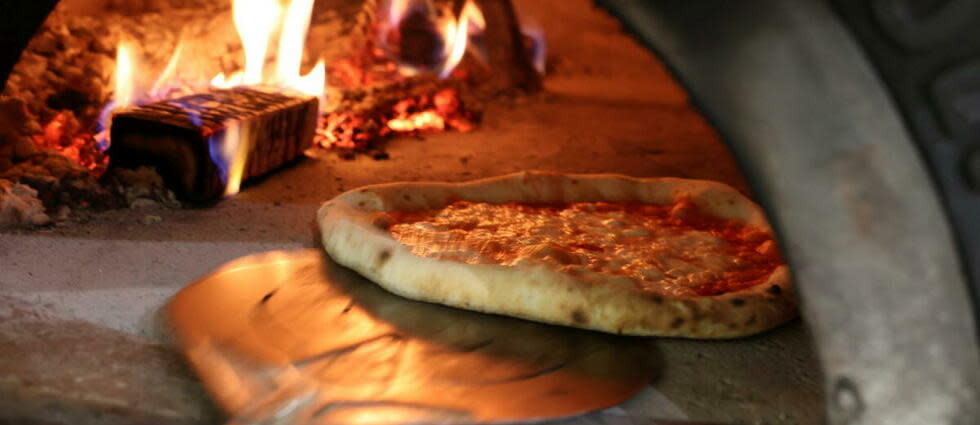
{"x": 289, "y": 337}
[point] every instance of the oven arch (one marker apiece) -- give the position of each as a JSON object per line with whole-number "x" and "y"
{"x": 874, "y": 257}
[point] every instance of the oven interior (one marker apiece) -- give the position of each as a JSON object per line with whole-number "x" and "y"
{"x": 82, "y": 293}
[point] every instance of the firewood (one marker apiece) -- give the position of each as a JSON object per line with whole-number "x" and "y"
{"x": 181, "y": 137}
{"x": 507, "y": 56}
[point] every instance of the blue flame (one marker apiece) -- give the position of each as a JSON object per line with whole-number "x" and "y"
{"x": 538, "y": 49}
{"x": 215, "y": 144}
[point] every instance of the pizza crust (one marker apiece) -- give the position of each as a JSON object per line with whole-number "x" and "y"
{"x": 353, "y": 238}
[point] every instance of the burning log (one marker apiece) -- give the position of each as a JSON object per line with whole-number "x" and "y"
{"x": 205, "y": 144}
{"x": 507, "y": 55}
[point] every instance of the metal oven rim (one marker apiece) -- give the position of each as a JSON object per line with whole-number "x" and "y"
{"x": 874, "y": 254}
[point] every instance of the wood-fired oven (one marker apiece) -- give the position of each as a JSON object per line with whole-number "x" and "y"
{"x": 854, "y": 124}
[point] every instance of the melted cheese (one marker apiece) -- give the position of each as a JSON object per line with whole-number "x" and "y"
{"x": 670, "y": 249}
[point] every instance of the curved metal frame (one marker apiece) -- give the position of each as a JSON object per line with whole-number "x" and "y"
{"x": 828, "y": 156}
{"x": 862, "y": 226}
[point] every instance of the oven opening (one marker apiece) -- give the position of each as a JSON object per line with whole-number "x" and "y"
{"x": 161, "y": 163}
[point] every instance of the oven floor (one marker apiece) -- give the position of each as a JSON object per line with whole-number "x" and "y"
{"x": 80, "y": 336}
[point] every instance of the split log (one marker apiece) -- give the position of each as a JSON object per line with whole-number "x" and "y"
{"x": 185, "y": 138}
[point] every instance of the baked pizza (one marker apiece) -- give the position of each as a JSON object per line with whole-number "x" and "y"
{"x": 652, "y": 256}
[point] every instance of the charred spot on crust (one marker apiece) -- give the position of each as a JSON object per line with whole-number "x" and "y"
{"x": 383, "y": 257}
{"x": 579, "y": 316}
{"x": 677, "y": 323}
{"x": 738, "y": 302}
{"x": 361, "y": 204}
{"x": 573, "y": 181}
{"x": 656, "y": 299}
{"x": 266, "y": 297}
{"x": 775, "y": 290}
{"x": 407, "y": 197}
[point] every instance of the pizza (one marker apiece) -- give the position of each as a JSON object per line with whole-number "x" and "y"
{"x": 634, "y": 256}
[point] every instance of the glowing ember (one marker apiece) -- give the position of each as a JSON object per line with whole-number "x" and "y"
{"x": 422, "y": 121}
{"x": 64, "y": 134}
{"x": 441, "y": 111}
{"x": 260, "y": 23}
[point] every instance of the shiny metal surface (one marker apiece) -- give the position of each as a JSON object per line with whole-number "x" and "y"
{"x": 290, "y": 337}
{"x": 827, "y": 154}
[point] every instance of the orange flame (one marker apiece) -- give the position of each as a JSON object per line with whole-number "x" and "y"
{"x": 230, "y": 151}
{"x": 255, "y": 21}
{"x": 457, "y": 31}
{"x": 295, "y": 24}
{"x": 125, "y": 86}
{"x": 454, "y": 31}
{"x": 159, "y": 89}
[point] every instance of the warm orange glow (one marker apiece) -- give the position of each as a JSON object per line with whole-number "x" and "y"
{"x": 457, "y": 32}
{"x": 222, "y": 82}
{"x": 230, "y": 151}
{"x": 440, "y": 111}
{"x": 422, "y": 121}
{"x": 454, "y": 31}
{"x": 162, "y": 83}
{"x": 125, "y": 86}
{"x": 295, "y": 24}
{"x": 292, "y": 40}
{"x": 255, "y": 21}
{"x": 64, "y": 134}
{"x": 536, "y": 47}
{"x": 311, "y": 83}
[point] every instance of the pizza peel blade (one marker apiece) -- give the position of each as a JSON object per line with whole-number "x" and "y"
{"x": 289, "y": 337}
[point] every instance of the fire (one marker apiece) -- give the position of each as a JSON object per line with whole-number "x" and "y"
{"x": 457, "y": 32}
{"x": 295, "y": 25}
{"x": 441, "y": 111}
{"x": 273, "y": 35}
{"x": 229, "y": 151}
{"x": 453, "y": 33}
{"x": 64, "y": 133}
{"x": 425, "y": 120}
{"x": 257, "y": 23}
{"x": 160, "y": 87}
{"x": 124, "y": 76}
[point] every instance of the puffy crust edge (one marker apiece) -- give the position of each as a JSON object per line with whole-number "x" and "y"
{"x": 351, "y": 237}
